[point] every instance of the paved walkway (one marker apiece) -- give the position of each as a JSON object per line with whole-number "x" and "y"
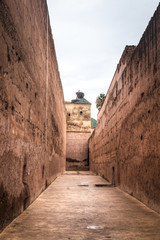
{"x": 74, "y": 208}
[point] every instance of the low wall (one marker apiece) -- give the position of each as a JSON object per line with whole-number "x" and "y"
{"x": 124, "y": 148}
{"x": 77, "y": 151}
{"x": 32, "y": 113}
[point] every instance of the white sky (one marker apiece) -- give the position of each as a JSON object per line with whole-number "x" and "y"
{"x": 90, "y": 36}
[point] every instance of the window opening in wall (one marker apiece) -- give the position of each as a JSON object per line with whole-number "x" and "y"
{"x": 69, "y": 114}
{"x": 12, "y": 108}
{"x": 81, "y": 113}
{"x": 6, "y": 105}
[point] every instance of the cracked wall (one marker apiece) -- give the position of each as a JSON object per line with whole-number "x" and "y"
{"x": 32, "y": 112}
{"x": 124, "y": 148}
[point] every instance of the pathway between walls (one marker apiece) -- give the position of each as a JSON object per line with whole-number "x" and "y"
{"x": 80, "y": 205}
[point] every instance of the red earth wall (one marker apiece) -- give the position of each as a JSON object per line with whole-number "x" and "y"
{"x": 77, "y": 151}
{"x": 125, "y": 146}
{"x": 32, "y": 113}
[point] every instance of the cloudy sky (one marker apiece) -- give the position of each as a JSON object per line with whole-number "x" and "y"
{"x": 90, "y": 36}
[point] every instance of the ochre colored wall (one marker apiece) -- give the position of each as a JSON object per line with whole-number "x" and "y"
{"x": 32, "y": 112}
{"x": 75, "y": 121}
{"x": 125, "y": 146}
{"x": 77, "y": 150}
{"x": 78, "y": 133}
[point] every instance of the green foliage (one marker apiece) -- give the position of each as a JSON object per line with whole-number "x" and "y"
{"x": 100, "y": 100}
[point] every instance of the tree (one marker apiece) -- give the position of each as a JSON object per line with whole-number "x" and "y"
{"x": 100, "y": 100}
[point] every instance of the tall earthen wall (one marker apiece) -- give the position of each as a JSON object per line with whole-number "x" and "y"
{"x": 125, "y": 146}
{"x": 77, "y": 151}
{"x": 32, "y": 113}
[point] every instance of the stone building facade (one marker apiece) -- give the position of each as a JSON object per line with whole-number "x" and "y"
{"x": 125, "y": 146}
{"x": 78, "y": 116}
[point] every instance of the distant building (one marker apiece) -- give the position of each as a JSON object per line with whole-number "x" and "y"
{"x": 79, "y": 124}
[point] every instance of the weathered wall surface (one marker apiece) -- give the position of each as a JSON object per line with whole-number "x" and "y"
{"x": 124, "y": 148}
{"x": 77, "y": 151}
{"x": 32, "y": 113}
{"x": 78, "y": 117}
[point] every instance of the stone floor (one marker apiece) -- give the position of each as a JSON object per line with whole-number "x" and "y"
{"x": 84, "y": 206}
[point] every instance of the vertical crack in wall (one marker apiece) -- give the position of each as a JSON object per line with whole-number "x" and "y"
{"x": 26, "y": 187}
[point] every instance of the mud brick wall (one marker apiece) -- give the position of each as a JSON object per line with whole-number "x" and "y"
{"x": 32, "y": 112}
{"x": 77, "y": 150}
{"x": 125, "y": 146}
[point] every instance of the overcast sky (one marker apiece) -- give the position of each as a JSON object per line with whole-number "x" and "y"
{"x": 90, "y": 36}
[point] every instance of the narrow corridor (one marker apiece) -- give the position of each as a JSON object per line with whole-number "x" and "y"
{"x": 80, "y": 205}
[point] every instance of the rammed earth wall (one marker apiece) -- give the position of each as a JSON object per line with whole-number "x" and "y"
{"x": 77, "y": 151}
{"x": 32, "y": 113}
{"x": 125, "y": 146}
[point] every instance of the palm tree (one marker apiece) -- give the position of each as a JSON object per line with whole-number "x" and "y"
{"x": 100, "y": 100}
